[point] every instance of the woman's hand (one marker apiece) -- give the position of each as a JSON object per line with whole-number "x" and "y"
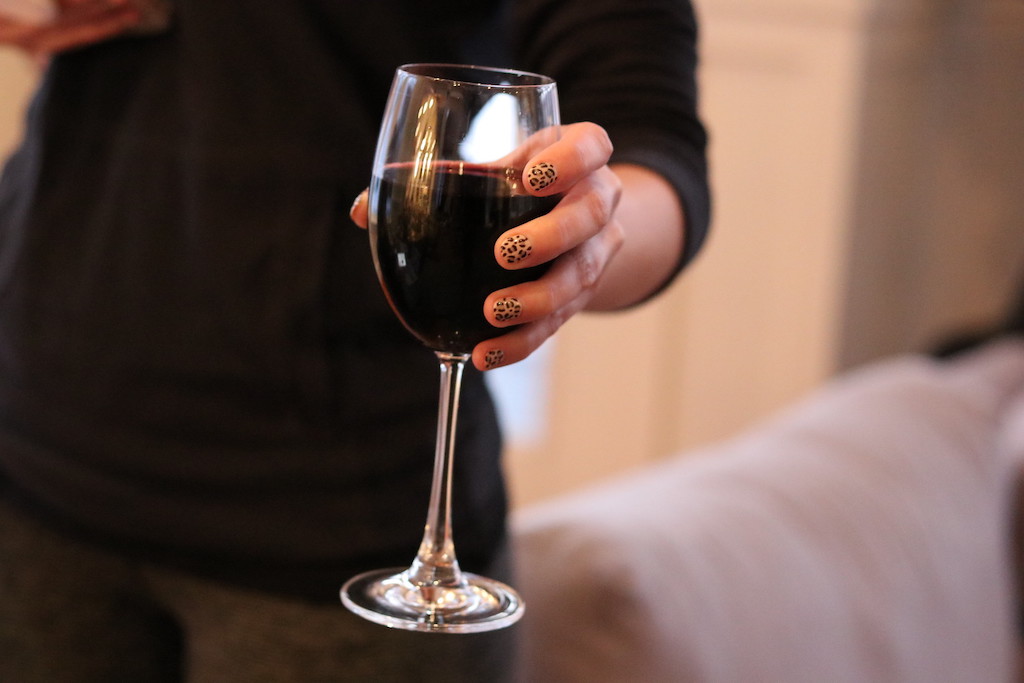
{"x": 579, "y": 237}
{"x": 583, "y": 237}
{"x": 75, "y": 23}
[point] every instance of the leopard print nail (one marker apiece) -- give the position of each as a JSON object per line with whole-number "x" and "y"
{"x": 493, "y": 358}
{"x": 507, "y": 309}
{"x": 541, "y": 175}
{"x": 516, "y": 248}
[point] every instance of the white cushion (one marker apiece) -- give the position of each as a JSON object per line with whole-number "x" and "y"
{"x": 860, "y": 536}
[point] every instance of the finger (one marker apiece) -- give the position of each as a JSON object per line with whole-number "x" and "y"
{"x": 14, "y": 32}
{"x": 573, "y": 275}
{"x": 91, "y": 5}
{"x": 533, "y": 144}
{"x": 517, "y": 305}
{"x": 582, "y": 149}
{"x": 522, "y": 341}
{"x": 66, "y": 23}
{"x": 583, "y": 212}
{"x": 31, "y": 13}
{"x": 538, "y": 309}
{"x": 77, "y": 29}
{"x": 68, "y": 4}
{"x": 359, "y": 212}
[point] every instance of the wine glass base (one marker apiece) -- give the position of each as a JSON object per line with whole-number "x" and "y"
{"x": 388, "y": 597}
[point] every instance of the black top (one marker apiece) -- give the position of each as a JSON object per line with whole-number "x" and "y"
{"x": 197, "y": 365}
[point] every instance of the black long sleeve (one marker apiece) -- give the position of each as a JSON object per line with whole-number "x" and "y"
{"x": 630, "y": 67}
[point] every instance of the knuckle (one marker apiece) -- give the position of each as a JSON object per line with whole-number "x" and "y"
{"x": 598, "y": 207}
{"x": 545, "y": 329}
{"x": 557, "y": 320}
{"x": 588, "y": 268}
{"x": 580, "y": 154}
{"x": 615, "y": 186}
{"x": 565, "y": 228}
{"x": 616, "y": 235}
{"x": 600, "y": 139}
{"x": 553, "y": 295}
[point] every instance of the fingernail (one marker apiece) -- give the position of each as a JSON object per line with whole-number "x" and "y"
{"x": 516, "y": 248}
{"x": 508, "y": 308}
{"x": 541, "y": 175}
{"x": 493, "y": 358}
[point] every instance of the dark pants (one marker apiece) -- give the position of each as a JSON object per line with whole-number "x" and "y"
{"x": 72, "y": 613}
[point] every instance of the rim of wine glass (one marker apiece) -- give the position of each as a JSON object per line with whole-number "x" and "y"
{"x": 423, "y": 70}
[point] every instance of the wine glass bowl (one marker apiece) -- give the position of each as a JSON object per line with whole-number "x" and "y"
{"x": 446, "y": 184}
{"x": 434, "y": 253}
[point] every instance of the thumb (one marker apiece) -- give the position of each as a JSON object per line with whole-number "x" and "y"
{"x": 358, "y": 212}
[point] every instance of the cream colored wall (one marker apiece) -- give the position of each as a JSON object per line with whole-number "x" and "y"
{"x": 937, "y": 237}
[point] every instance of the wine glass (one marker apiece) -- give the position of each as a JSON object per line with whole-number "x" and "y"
{"x": 447, "y": 182}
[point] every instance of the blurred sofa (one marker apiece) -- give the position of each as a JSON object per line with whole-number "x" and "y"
{"x": 864, "y": 535}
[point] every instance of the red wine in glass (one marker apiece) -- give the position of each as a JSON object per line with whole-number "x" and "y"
{"x": 434, "y": 246}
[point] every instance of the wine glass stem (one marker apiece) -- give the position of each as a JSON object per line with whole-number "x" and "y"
{"x": 435, "y": 563}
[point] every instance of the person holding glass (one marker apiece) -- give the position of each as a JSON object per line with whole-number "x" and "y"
{"x": 209, "y": 416}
